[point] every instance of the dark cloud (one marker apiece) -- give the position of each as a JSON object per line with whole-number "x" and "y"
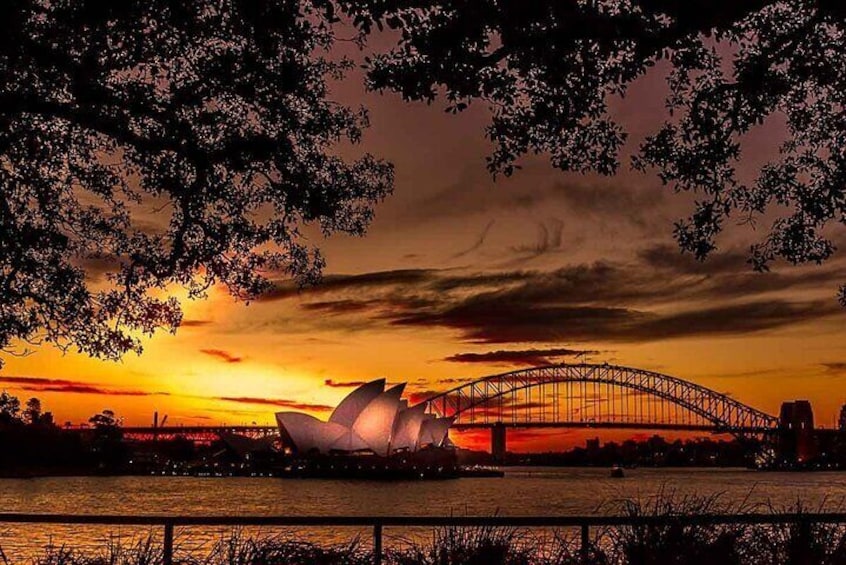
{"x": 38, "y": 384}
{"x": 224, "y": 356}
{"x": 488, "y": 321}
{"x": 670, "y": 258}
{"x": 341, "y": 306}
{"x": 662, "y": 295}
{"x": 519, "y": 357}
{"x": 601, "y": 281}
{"x": 578, "y": 283}
{"x": 194, "y": 323}
{"x": 837, "y": 367}
{"x": 541, "y": 312}
{"x": 727, "y": 274}
{"x": 35, "y": 381}
{"x": 90, "y": 389}
{"x": 661, "y": 275}
{"x": 499, "y": 321}
{"x": 464, "y": 282}
{"x": 343, "y": 384}
{"x": 279, "y": 402}
{"x": 331, "y": 283}
{"x": 452, "y": 380}
{"x": 735, "y": 319}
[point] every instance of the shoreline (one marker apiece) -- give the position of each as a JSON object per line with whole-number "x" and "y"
{"x": 470, "y": 473}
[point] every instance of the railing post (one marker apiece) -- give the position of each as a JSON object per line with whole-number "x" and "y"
{"x": 377, "y": 543}
{"x": 167, "y": 551}
{"x": 585, "y": 545}
{"x": 805, "y": 541}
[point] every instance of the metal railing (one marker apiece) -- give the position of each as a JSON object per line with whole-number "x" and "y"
{"x": 804, "y": 521}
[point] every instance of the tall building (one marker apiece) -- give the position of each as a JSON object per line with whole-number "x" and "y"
{"x": 842, "y": 421}
{"x": 797, "y": 442}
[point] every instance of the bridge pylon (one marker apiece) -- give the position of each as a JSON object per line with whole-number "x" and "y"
{"x": 498, "y": 442}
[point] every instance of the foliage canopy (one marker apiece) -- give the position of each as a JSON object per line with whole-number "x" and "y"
{"x": 548, "y": 69}
{"x": 212, "y": 119}
{"x": 215, "y": 120}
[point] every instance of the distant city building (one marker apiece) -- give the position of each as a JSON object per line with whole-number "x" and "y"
{"x": 369, "y": 419}
{"x": 592, "y": 445}
{"x": 796, "y": 431}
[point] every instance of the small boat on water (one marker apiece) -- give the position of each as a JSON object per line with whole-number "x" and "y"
{"x": 617, "y": 472}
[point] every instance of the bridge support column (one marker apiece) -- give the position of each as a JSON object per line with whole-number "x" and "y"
{"x": 498, "y": 445}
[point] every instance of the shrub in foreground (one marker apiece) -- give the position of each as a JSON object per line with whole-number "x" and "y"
{"x": 675, "y": 542}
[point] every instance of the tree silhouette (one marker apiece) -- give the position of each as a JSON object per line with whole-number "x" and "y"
{"x": 548, "y": 68}
{"x": 10, "y": 408}
{"x": 148, "y": 145}
{"x": 32, "y": 413}
{"x": 107, "y": 442}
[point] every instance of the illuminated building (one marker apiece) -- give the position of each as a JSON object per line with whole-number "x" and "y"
{"x": 370, "y": 419}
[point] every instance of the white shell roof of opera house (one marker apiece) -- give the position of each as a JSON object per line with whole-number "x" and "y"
{"x": 370, "y": 418}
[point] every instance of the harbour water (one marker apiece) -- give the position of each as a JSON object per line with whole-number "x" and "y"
{"x": 523, "y": 491}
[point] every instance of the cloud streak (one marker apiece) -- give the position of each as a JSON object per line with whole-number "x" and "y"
{"x": 519, "y": 357}
{"x": 194, "y": 323}
{"x": 334, "y": 283}
{"x": 343, "y": 384}
{"x": 224, "y": 356}
{"x": 278, "y": 402}
{"x": 38, "y": 384}
{"x": 478, "y": 243}
{"x": 836, "y": 368}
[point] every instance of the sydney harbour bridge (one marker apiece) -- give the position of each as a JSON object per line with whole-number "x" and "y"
{"x": 582, "y": 395}
{"x": 595, "y": 396}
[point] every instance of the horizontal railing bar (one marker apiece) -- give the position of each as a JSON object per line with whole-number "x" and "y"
{"x": 515, "y": 521}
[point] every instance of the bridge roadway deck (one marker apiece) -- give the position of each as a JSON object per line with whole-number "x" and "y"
{"x": 613, "y": 425}
{"x": 133, "y": 430}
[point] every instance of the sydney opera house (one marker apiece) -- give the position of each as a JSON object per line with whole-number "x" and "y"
{"x": 369, "y": 421}
{"x": 372, "y": 433}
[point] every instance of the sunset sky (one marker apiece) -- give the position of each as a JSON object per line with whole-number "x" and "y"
{"x": 461, "y": 276}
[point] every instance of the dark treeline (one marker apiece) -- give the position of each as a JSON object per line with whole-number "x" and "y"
{"x": 32, "y": 443}
{"x": 652, "y": 452}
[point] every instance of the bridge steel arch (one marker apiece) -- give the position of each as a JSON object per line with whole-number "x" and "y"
{"x": 484, "y": 403}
